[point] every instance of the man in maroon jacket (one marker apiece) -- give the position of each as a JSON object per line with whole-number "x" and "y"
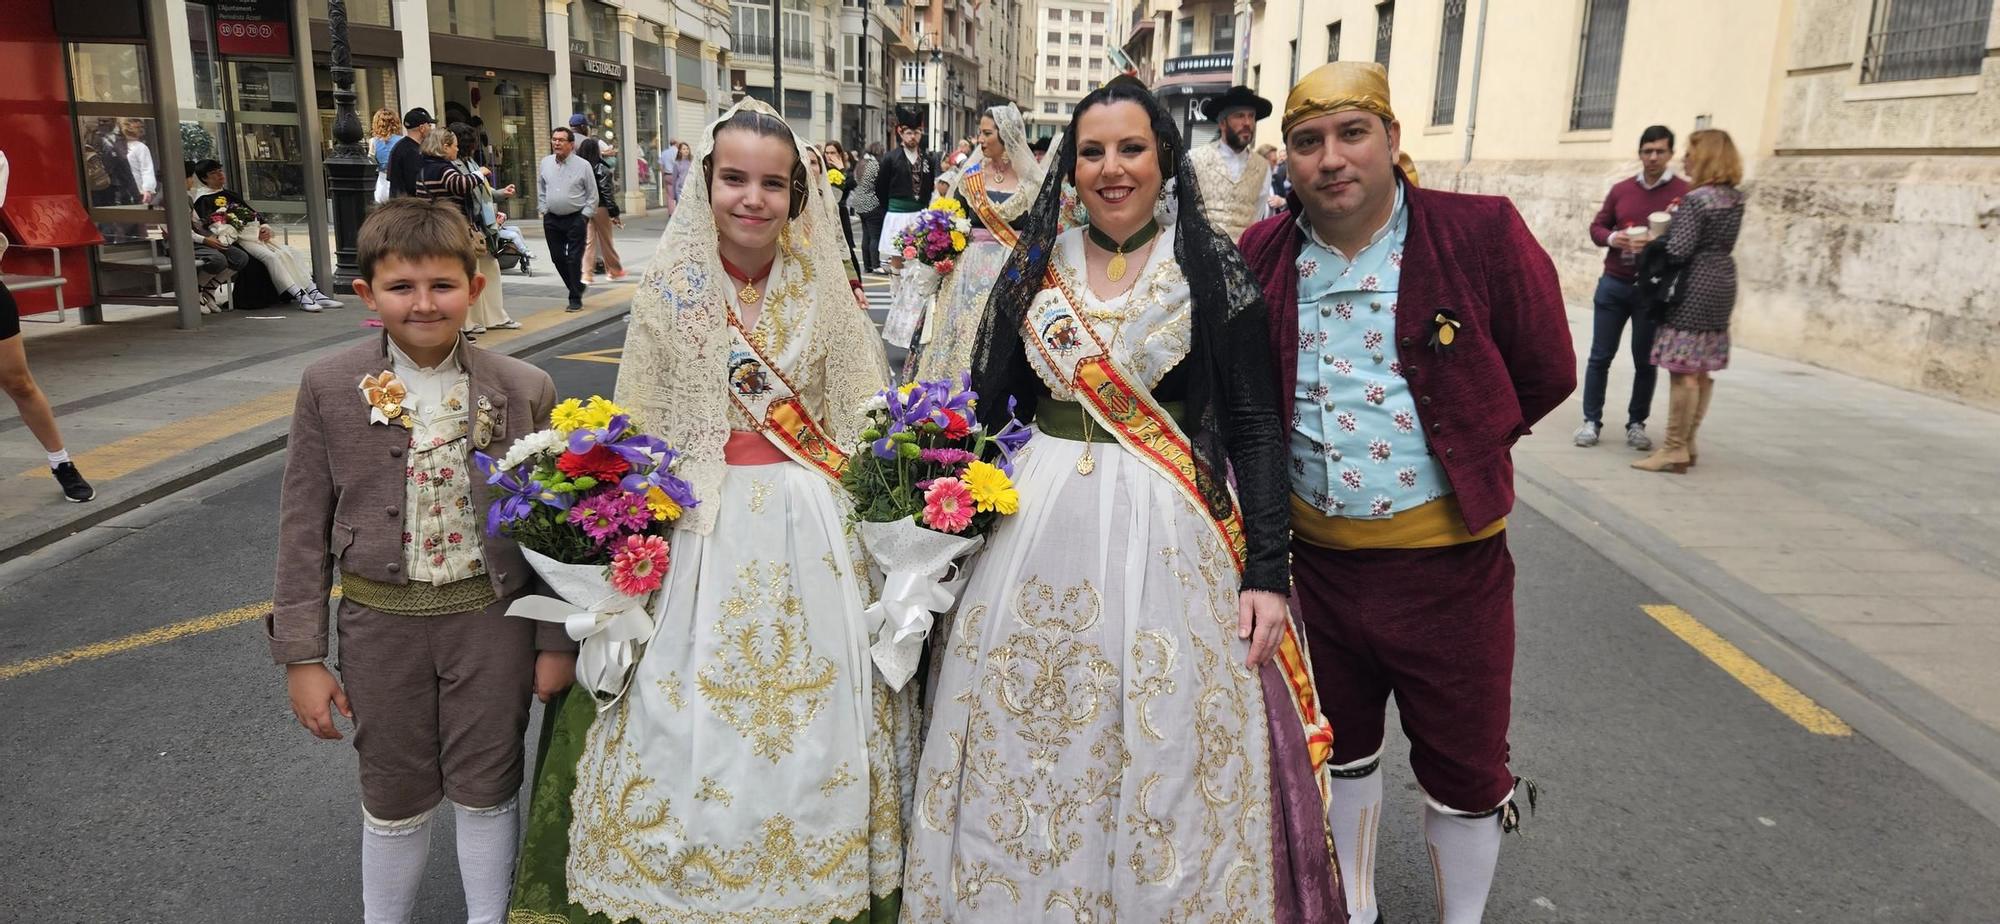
{"x": 1628, "y": 205}
{"x": 1418, "y": 335}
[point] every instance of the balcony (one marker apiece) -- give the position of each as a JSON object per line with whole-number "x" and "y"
{"x": 1142, "y": 28}
{"x": 1223, "y": 62}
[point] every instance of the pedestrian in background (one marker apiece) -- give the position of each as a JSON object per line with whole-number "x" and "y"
{"x": 567, "y": 190}
{"x": 406, "y": 156}
{"x": 434, "y": 675}
{"x": 1620, "y": 227}
{"x": 600, "y": 250}
{"x": 20, "y": 385}
{"x": 683, "y": 163}
{"x": 482, "y": 218}
{"x": 383, "y": 128}
{"x": 836, "y": 159}
{"x": 867, "y": 203}
{"x": 1693, "y": 338}
{"x": 139, "y": 157}
{"x": 1281, "y": 185}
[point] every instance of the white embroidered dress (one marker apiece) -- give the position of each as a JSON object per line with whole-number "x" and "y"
{"x": 757, "y": 770}
{"x": 1096, "y": 748}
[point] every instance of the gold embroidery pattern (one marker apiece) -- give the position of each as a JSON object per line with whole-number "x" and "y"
{"x": 770, "y": 684}
{"x": 671, "y": 687}
{"x": 712, "y": 791}
{"x": 1084, "y": 906}
{"x": 969, "y": 883}
{"x": 1153, "y": 859}
{"x": 840, "y": 777}
{"x": 760, "y": 491}
{"x": 1155, "y": 659}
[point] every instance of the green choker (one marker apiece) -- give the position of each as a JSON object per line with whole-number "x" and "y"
{"x": 1115, "y": 270}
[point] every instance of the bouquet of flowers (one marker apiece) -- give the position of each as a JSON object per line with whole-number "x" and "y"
{"x": 229, "y": 222}
{"x": 937, "y": 236}
{"x": 590, "y": 501}
{"x": 928, "y": 483}
{"x": 834, "y": 177}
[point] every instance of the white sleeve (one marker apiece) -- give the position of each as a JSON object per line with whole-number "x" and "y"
{"x": 141, "y": 158}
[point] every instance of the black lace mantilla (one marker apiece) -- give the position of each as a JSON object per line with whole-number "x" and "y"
{"x": 1225, "y": 380}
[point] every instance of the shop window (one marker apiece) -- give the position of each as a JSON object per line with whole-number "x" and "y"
{"x": 798, "y": 104}
{"x": 110, "y": 73}
{"x": 649, "y": 46}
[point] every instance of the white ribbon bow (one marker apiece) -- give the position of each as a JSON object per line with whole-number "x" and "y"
{"x": 913, "y": 560}
{"x": 613, "y": 628}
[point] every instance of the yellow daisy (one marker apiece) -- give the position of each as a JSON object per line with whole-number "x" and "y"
{"x": 568, "y": 416}
{"x": 664, "y": 508}
{"x": 991, "y": 489}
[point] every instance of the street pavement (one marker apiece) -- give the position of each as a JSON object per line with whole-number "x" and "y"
{"x": 150, "y": 769}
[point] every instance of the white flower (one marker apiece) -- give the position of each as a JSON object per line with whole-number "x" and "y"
{"x": 530, "y": 446}
{"x": 874, "y": 403}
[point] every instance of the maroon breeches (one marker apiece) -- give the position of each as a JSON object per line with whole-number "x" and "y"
{"x": 1434, "y": 627}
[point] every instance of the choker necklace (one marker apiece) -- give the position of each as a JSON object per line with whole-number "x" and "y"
{"x": 1115, "y": 270}
{"x": 748, "y": 294}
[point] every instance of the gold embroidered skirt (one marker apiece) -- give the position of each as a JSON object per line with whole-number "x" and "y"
{"x": 1096, "y": 746}
{"x": 756, "y": 771}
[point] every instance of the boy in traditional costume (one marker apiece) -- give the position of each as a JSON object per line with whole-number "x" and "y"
{"x": 1418, "y": 335}
{"x": 378, "y": 483}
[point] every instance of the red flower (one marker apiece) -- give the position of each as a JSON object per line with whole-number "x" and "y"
{"x": 955, "y": 425}
{"x": 599, "y": 463}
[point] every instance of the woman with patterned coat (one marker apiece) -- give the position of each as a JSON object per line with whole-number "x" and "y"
{"x": 1693, "y": 340}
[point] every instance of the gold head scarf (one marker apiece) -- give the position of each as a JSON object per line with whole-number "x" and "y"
{"x": 1337, "y": 87}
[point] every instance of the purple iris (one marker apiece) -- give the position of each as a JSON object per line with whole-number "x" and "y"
{"x": 583, "y": 440}
{"x": 518, "y": 495}
{"x": 1011, "y": 438}
{"x": 904, "y": 413}
{"x": 661, "y": 477}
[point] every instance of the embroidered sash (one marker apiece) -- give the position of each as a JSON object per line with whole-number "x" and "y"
{"x": 975, "y": 195}
{"x": 1110, "y": 395}
{"x": 761, "y": 390}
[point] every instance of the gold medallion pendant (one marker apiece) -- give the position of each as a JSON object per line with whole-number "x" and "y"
{"x": 749, "y": 294}
{"x": 1115, "y": 269}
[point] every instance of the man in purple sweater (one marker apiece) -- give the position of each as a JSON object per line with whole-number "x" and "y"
{"x": 1627, "y": 206}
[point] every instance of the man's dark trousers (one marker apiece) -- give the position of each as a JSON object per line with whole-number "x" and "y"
{"x": 871, "y": 239}
{"x": 566, "y": 235}
{"x": 1618, "y": 301}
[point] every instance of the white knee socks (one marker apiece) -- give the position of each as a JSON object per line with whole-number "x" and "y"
{"x": 392, "y": 866}
{"x": 1464, "y": 851}
{"x": 1354, "y": 814}
{"x": 487, "y": 841}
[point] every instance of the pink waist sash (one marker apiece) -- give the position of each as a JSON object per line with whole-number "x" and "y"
{"x": 749, "y": 447}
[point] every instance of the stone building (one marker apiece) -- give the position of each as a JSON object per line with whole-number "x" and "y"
{"x": 1872, "y": 240}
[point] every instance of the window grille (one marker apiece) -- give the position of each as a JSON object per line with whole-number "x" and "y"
{"x": 1444, "y": 98}
{"x": 1919, "y": 39}
{"x": 1602, "y": 47}
{"x": 1385, "y": 25}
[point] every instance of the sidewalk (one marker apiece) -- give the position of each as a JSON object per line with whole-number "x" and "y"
{"x": 146, "y": 409}
{"x": 1857, "y": 521}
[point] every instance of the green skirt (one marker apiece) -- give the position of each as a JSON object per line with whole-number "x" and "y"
{"x": 541, "y": 887}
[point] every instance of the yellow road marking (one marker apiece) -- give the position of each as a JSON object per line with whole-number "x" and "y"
{"x": 121, "y": 458}
{"x": 137, "y": 640}
{"x": 1781, "y": 695}
{"x": 610, "y": 356}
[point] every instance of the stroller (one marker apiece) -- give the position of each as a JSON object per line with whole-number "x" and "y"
{"x": 507, "y": 247}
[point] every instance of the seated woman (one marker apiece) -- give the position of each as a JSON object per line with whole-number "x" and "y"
{"x": 289, "y": 273}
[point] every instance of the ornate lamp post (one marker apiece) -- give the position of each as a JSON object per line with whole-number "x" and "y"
{"x": 350, "y": 180}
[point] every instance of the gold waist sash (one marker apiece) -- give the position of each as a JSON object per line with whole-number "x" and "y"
{"x": 419, "y": 598}
{"x": 1430, "y": 526}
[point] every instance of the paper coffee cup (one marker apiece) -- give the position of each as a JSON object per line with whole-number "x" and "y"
{"x": 1656, "y": 223}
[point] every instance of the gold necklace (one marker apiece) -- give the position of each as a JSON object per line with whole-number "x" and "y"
{"x": 1115, "y": 270}
{"x": 748, "y": 294}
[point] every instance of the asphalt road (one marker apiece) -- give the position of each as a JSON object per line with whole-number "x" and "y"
{"x": 169, "y": 782}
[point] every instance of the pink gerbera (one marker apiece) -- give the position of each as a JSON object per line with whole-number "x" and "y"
{"x": 602, "y": 516}
{"x": 948, "y": 505}
{"x": 639, "y": 565}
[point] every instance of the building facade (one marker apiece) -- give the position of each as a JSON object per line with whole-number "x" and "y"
{"x": 1071, "y": 59}
{"x": 806, "y": 38}
{"x": 1866, "y": 127}
{"x": 1190, "y": 50}
{"x": 248, "y": 83}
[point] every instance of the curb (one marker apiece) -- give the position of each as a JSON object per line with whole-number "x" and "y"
{"x": 255, "y": 443}
{"x": 1959, "y": 753}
